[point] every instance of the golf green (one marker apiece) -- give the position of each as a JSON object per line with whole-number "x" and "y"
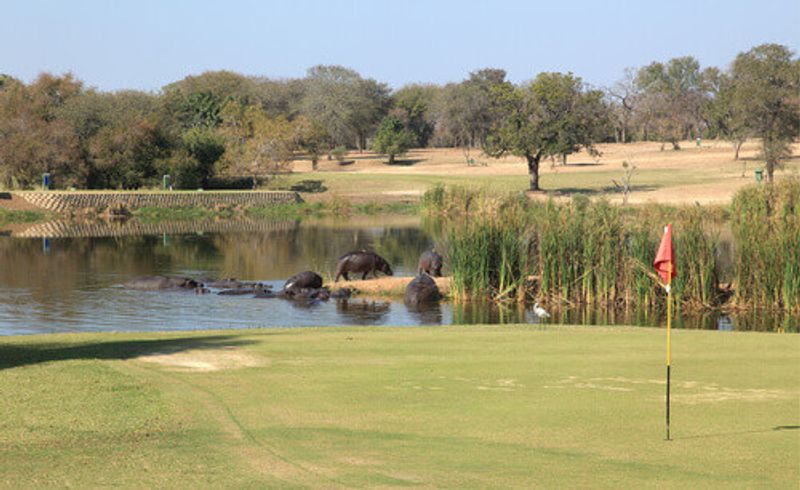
{"x": 472, "y": 406}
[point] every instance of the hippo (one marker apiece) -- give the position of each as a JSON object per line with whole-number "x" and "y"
{"x": 228, "y": 283}
{"x": 242, "y": 289}
{"x": 303, "y": 280}
{"x": 361, "y": 261}
{"x": 422, "y": 289}
{"x": 341, "y": 293}
{"x": 306, "y": 294}
{"x": 430, "y": 262}
{"x": 157, "y": 283}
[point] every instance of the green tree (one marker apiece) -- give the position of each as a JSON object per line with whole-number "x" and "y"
{"x": 766, "y": 85}
{"x": 312, "y": 138}
{"x": 392, "y": 138}
{"x": 255, "y": 144}
{"x": 416, "y": 102}
{"x": 672, "y": 99}
{"x": 538, "y": 120}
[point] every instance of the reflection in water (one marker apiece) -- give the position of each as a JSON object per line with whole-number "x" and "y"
{"x": 71, "y": 284}
{"x": 426, "y": 314}
{"x": 363, "y": 311}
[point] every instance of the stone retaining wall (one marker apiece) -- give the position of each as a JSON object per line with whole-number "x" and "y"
{"x": 68, "y": 229}
{"x": 71, "y": 201}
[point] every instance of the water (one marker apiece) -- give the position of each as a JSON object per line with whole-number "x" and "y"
{"x": 58, "y": 282}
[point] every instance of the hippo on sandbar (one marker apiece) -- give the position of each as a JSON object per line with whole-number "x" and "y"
{"x": 362, "y": 262}
{"x": 430, "y": 262}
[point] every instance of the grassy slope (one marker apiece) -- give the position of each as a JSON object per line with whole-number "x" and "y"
{"x": 445, "y": 407}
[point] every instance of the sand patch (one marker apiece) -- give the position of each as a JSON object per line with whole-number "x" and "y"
{"x": 687, "y": 392}
{"x": 205, "y": 360}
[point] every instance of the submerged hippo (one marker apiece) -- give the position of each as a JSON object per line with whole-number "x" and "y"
{"x": 303, "y": 280}
{"x": 306, "y": 294}
{"x": 361, "y": 262}
{"x": 431, "y": 262}
{"x": 422, "y": 289}
{"x": 157, "y": 283}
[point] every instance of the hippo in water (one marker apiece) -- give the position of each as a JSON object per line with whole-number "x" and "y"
{"x": 430, "y": 262}
{"x": 422, "y": 289}
{"x": 361, "y": 262}
{"x": 303, "y": 280}
{"x": 158, "y": 283}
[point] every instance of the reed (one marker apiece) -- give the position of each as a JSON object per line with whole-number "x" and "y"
{"x": 766, "y": 228}
{"x": 580, "y": 253}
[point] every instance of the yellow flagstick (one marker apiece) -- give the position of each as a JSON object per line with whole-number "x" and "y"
{"x": 669, "y": 345}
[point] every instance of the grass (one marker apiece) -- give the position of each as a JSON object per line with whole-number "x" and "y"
{"x": 336, "y": 207}
{"x": 11, "y": 216}
{"x": 486, "y": 406}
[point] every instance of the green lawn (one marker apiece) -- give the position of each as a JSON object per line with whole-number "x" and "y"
{"x": 486, "y": 406}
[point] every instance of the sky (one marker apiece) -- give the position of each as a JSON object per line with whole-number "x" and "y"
{"x": 146, "y": 44}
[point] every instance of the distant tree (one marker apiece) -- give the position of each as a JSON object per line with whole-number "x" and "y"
{"x": 464, "y": 110}
{"x": 392, "y": 138}
{"x": 536, "y": 121}
{"x": 312, "y": 138}
{"x": 346, "y": 105}
{"x": 766, "y": 86}
{"x": 671, "y": 98}
{"x": 125, "y": 155}
{"x": 416, "y": 102}
{"x": 625, "y": 95}
{"x": 724, "y": 118}
{"x": 255, "y": 144}
{"x": 196, "y": 101}
{"x": 33, "y": 139}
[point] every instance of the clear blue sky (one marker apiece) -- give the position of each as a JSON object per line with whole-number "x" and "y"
{"x": 145, "y": 44}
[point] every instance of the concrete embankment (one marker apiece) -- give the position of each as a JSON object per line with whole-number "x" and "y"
{"x": 66, "y": 201}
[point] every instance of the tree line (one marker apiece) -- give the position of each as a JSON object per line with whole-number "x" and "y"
{"x": 214, "y": 128}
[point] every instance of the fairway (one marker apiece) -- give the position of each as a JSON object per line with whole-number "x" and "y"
{"x": 485, "y": 406}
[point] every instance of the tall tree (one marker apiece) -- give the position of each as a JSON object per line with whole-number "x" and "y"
{"x": 348, "y": 106}
{"x": 538, "y": 120}
{"x": 416, "y": 103}
{"x": 255, "y": 144}
{"x": 392, "y": 138}
{"x": 672, "y": 98}
{"x": 766, "y": 87}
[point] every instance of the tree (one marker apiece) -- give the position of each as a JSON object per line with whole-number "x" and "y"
{"x": 625, "y": 93}
{"x": 392, "y": 138}
{"x": 312, "y": 138}
{"x": 538, "y": 120}
{"x": 672, "y": 99}
{"x": 464, "y": 111}
{"x": 766, "y": 85}
{"x": 346, "y": 105}
{"x": 255, "y": 143}
{"x": 416, "y": 102}
{"x": 196, "y": 101}
{"x": 33, "y": 139}
{"x": 724, "y": 118}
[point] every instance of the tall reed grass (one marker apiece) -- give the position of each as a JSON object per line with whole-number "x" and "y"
{"x": 581, "y": 252}
{"x": 766, "y": 228}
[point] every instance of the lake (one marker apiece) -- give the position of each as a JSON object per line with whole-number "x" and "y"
{"x": 63, "y": 277}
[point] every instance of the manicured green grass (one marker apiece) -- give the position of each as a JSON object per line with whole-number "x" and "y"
{"x": 512, "y": 406}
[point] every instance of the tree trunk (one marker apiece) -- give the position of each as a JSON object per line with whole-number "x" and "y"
{"x": 770, "y": 169}
{"x": 624, "y": 135}
{"x": 391, "y": 159}
{"x": 563, "y": 159}
{"x": 737, "y": 146}
{"x": 675, "y": 145}
{"x": 314, "y": 162}
{"x": 533, "y": 170}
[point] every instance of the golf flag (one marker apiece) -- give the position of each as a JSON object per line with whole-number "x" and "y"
{"x": 665, "y": 266}
{"x": 665, "y": 261}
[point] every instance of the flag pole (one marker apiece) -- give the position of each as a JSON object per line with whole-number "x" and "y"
{"x": 669, "y": 345}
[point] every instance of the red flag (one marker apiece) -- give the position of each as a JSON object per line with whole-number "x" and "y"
{"x": 665, "y": 261}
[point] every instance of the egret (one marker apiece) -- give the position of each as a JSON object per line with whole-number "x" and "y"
{"x": 539, "y": 311}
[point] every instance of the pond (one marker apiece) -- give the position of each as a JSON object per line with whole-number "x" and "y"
{"x": 67, "y": 278}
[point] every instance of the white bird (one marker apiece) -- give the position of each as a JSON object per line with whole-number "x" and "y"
{"x": 539, "y": 311}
